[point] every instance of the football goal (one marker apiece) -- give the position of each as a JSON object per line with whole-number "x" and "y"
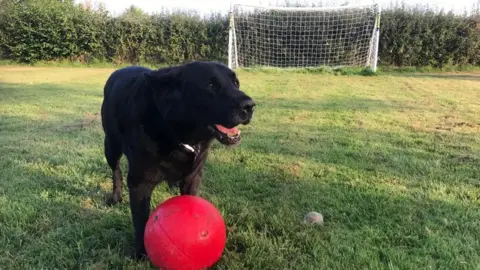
{"x": 303, "y": 37}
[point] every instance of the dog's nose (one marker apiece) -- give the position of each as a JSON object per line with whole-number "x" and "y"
{"x": 247, "y": 105}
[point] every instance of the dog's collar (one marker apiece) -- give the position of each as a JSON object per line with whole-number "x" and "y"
{"x": 185, "y": 147}
{"x": 190, "y": 149}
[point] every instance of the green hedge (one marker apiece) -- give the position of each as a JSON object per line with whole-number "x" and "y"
{"x": 48, "y": 30}
{"x": 51, "y": 30}
{"x": 420, "y": 37}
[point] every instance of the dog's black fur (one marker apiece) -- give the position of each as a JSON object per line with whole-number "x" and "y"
{"x": 154, "y": 116}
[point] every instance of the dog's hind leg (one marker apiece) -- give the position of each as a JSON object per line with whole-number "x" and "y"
{"x": 113, "y": 153}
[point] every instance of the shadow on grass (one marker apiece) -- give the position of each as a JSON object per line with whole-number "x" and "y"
{"x": 45, "y": 228}
{"x": 52, "y": 94}
{"x": 52, "y": 107}
{"x": 446, "y": 76}
{"x": 365, "y": 227}
{"x": 44, "y": 90}
{"x": 53, "y": 213}
{"x": 421, "y": 157}
{"x": 331, "y": 104}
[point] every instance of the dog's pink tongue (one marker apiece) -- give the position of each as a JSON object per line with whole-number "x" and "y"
{"x": 228, "y": 131}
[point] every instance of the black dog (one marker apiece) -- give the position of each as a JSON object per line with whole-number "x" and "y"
{"x": 164, "y": 121}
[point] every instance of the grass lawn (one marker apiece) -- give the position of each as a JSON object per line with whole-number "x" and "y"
{"x": 392, "y": 162}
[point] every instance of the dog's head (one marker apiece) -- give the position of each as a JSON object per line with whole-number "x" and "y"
{"x": 206, "y": 93}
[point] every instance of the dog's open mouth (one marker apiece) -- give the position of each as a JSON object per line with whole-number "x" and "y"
{"x": 228, "y": 136}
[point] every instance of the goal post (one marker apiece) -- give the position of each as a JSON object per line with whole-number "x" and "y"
{"x": 303, "y": 37}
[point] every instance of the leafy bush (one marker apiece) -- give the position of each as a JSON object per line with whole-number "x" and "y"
{"x": 46, "y": 30}
{"x": 421, "y": 37}
{"x": 52, "y": 30}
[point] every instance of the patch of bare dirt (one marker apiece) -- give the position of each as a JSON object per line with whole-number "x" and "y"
{"x": 449, "y": 122}
{"x": 87, "y": 121}
{"x": 294, "y": 169}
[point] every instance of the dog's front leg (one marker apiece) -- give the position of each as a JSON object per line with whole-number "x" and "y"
{"x": 140, "y": 194}
{"x": 191, "y": 183}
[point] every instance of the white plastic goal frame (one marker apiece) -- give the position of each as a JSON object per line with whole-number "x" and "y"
{"x": 372, "y": 57}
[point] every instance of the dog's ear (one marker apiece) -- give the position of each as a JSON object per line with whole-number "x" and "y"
{"x": 164, "y": 78}
{"x": 167, "y": 91}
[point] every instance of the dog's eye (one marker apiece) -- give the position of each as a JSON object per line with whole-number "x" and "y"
{"x": 212, "y": 87}
{"x": 236, "y": 83}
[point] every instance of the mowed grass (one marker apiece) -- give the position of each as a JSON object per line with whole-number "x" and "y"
{"x": 391, "y": 161}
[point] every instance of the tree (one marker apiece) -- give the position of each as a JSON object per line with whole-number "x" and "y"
{"x": 134, "y": 13}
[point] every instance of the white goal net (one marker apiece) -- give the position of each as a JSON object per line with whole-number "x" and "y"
{"x": 300, "y": 37}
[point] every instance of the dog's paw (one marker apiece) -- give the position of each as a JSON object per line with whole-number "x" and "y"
{"x": 139, "y": 255}
{"x": 113, "y": 200}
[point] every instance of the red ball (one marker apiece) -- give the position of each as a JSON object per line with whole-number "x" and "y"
{"x": 185, "y": 232}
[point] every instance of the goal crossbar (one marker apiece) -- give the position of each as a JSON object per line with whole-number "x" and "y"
{"x": 303, "y": 37}
{"x": 302, "y": 8}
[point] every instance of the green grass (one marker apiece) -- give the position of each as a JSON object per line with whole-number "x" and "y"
{"x": 392, "y": 162}
{"x": 316, "y": 70}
